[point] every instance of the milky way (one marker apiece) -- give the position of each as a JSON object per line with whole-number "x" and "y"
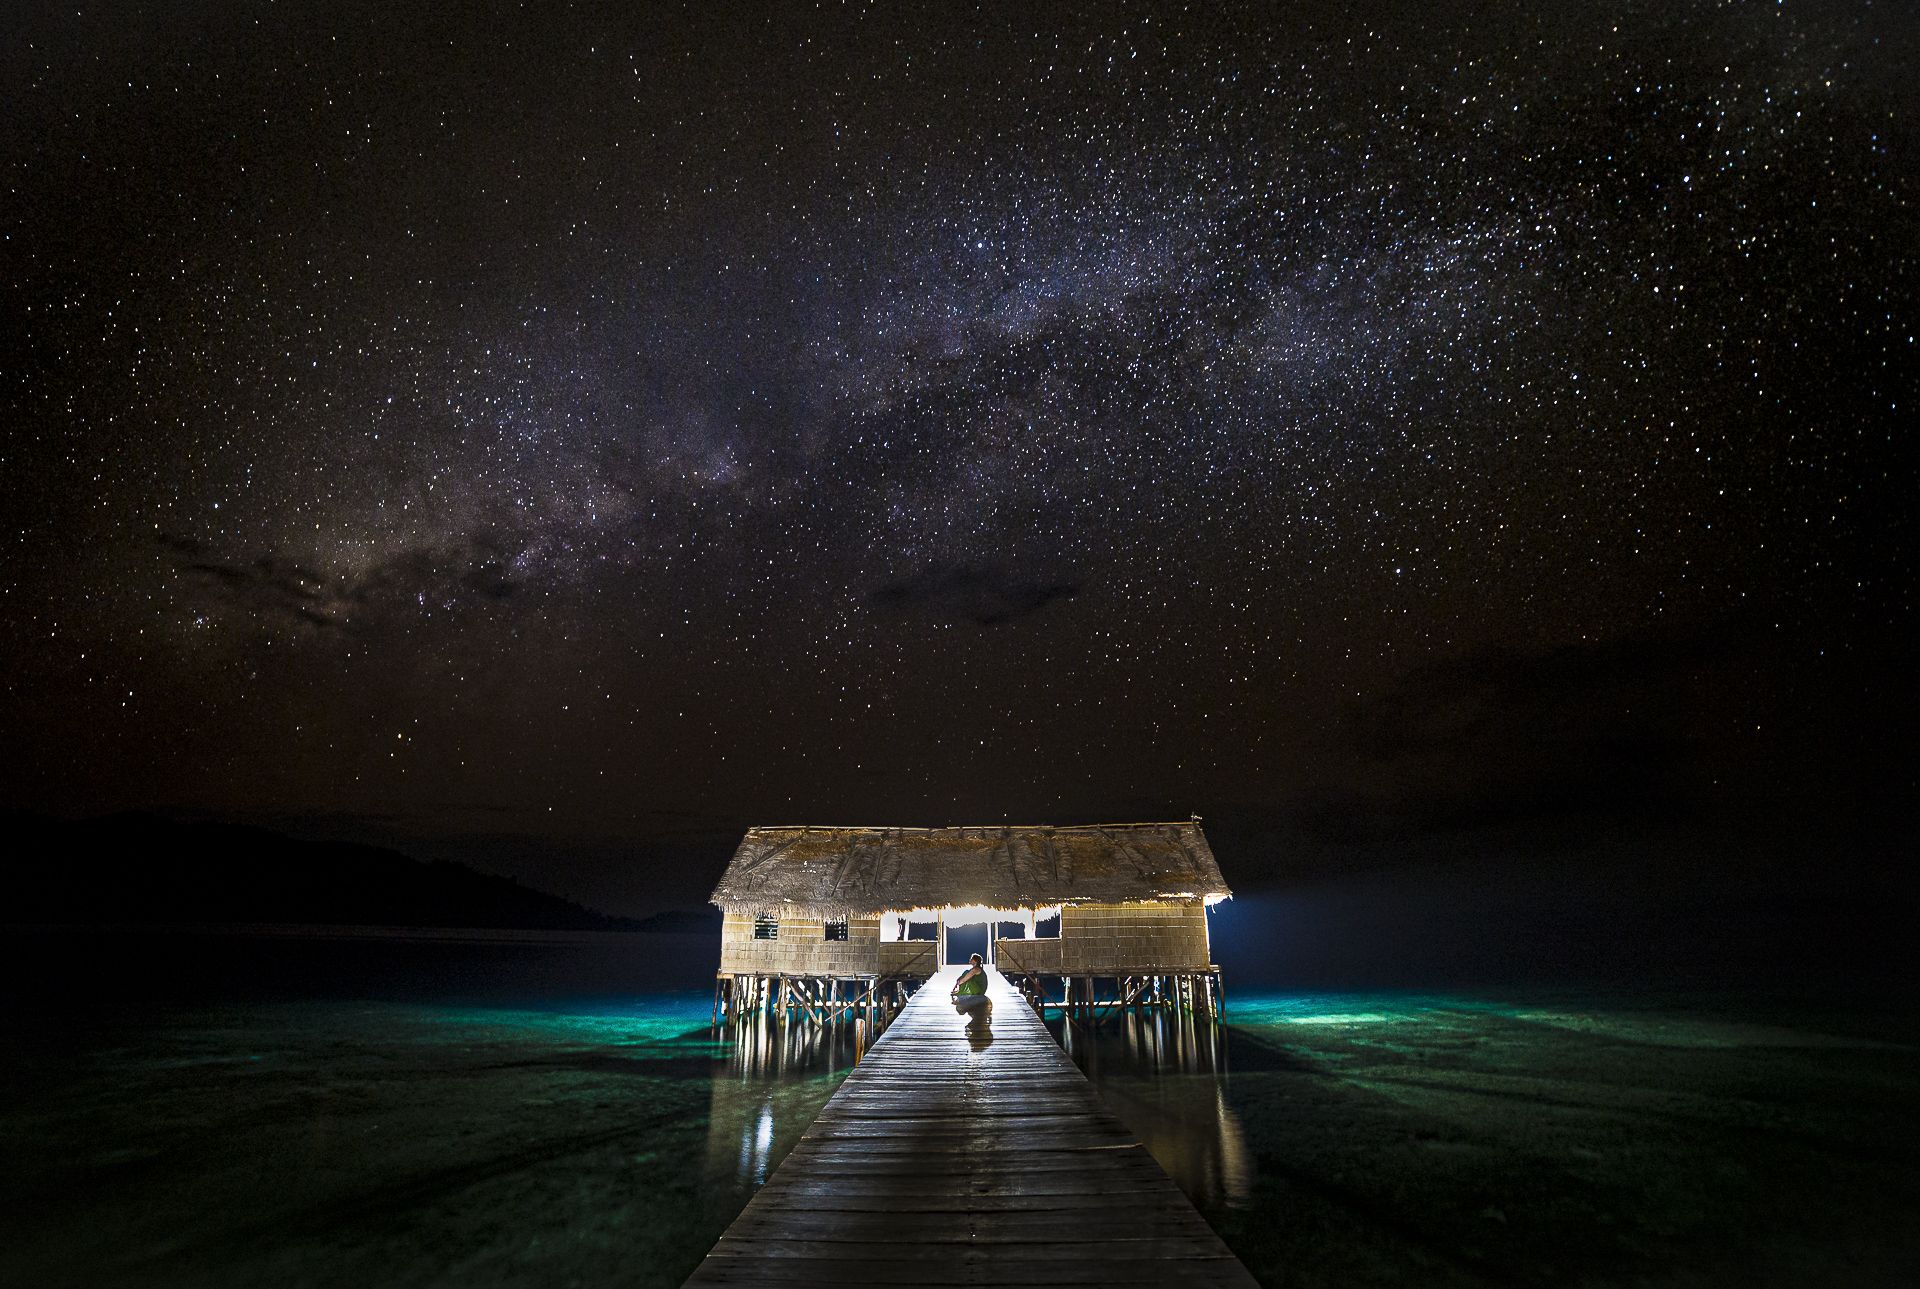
{"x": 502, "y": 421}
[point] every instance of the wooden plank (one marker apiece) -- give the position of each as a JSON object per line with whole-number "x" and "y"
{"x": 1004, "y": 1273}
{"x": 958, "y": 1225}
{"x": 1068, "y": 1245}
{"x": 904, "y": 1168}
{"x": 830, "y": 1154}
{"x": 955, "y": 1158}
{"x": 891, "y": 1200}
{"x": 991, "y": 1130}
{"x": 1041, "y": 1190}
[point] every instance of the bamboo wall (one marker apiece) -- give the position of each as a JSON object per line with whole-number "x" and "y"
{"x": 1109, "y": 939}
{"x": 1166, "y": 936}
{"x": 801, "y": 950}
{"x": 909, "y": 957}
{"x": 1040, "y": 956}
{"x": 1095, "y": 939}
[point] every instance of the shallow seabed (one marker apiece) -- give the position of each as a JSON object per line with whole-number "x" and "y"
{"x": 319, "y": 1143}
{"x": 1380, "y": 1139}
{"x": 1350, "y": 1140}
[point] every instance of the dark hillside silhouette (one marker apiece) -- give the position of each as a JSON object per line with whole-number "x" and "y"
{"x": 133, "y": 868}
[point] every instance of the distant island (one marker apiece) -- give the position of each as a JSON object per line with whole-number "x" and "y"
{"x": 147, "y": 870}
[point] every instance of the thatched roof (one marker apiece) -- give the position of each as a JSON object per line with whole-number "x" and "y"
{"x": 837, "y": 871}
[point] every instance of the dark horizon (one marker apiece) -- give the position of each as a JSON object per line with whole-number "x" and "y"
{"x": 1484, "y": 920}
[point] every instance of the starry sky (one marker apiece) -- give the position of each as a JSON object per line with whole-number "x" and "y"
{"x": 559, "y": 436}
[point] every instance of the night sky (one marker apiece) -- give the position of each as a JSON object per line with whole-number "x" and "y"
{"x": 1406, "y": 435}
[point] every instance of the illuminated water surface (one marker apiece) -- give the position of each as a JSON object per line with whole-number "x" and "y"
{"x": 1349, "y": 1139}
{"x": 320, "y": 1143}
{"x": 1388, "y": 1139}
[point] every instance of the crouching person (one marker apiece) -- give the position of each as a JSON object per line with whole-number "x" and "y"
{"x": 970, "y": 992}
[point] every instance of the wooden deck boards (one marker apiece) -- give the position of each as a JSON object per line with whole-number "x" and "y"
{"x": 948, "y": 1160}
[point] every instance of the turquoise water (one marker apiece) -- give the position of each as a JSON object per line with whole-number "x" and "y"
{"x": 481, "y": 1125}
{"x": 317, "y": 1143}
{"x": 1391, "y": 1139}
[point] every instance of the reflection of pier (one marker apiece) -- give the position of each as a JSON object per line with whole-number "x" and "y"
{"x": 968, "y": 1152}
{"x": 764, "y": 1047}
{"x": 1168, "y": 1042}
{"x": 1164, "y": 1075}
{"x": 761, "y": 1101}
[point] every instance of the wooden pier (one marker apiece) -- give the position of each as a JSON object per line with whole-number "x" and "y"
{"x": 958, "y": 1155}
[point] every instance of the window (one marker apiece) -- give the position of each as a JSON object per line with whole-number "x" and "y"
{"x": 836, "y": 929}
{"x": 923, "y": 930}
{"x": 1010, "y": 931}
{"x": 1048, "y": 927}
{"x": 766, "y": 927}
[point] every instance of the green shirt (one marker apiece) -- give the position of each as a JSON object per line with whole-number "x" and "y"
{"x": 975, "y": 984}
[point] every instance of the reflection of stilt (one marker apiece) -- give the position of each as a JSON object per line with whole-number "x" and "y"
{"x": 751, "y": 1116}
{"x": 767, "y": 1046}
{"x": 1164, "y": 1072}
{"x": 1096, "y": 999}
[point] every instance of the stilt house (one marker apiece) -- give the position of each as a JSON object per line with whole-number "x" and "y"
{"x": 831, "y": 919}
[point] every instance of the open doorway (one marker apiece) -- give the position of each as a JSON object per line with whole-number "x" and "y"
{"x": 964, "y": 941}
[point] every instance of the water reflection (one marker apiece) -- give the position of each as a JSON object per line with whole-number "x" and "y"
{"x": 978, "y": 1009}
{"x": 768, "y": 1088}
{"x": 767, "y": 1047}
{"x": 756, "y": 1148}
{"x": 1165, "y": 1077}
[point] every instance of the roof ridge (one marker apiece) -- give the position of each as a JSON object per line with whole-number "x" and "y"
{"x": 1192, "y": 822}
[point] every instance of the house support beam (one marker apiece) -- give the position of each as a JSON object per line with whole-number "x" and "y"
{"x": 1090, "y": 998}
{"x": 816, "y": 999}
